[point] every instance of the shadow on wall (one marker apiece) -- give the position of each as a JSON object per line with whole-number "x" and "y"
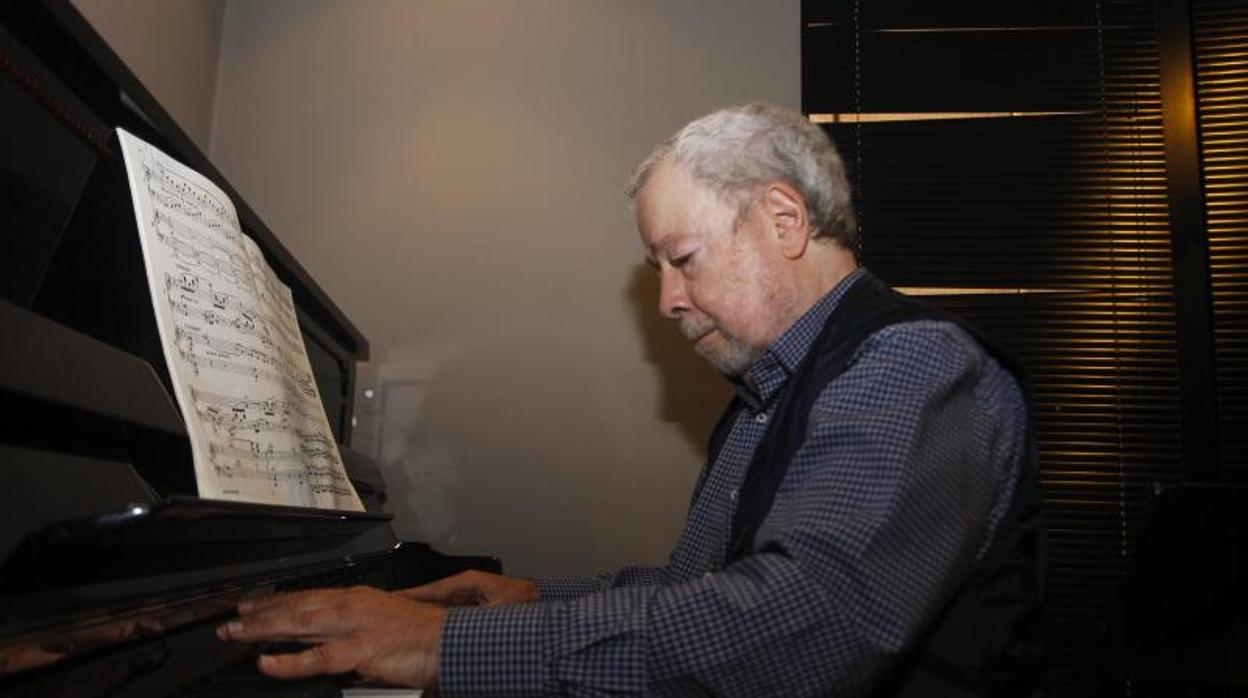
{"x": 693, "y": 395}
{"x": 541, "y": 454}
{"x": 498, "y": 455}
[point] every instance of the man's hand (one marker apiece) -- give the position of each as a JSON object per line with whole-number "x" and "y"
{"x": 383, "y": 637}
{"x": 473, "y": 588}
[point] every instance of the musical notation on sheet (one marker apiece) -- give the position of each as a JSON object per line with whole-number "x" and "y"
{"x": 231, "y": 339}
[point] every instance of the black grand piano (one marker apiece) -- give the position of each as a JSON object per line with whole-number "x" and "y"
{"x": 113, "y": 574}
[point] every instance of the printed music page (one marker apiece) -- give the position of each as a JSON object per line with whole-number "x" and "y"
{"x": 230, "y": 336}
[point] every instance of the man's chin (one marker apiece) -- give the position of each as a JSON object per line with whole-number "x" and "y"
{"x": 728, "y": 360}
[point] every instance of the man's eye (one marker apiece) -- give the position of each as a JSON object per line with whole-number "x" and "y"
{"x": 682, "y": 260}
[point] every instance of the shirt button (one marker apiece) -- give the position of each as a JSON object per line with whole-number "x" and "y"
{"x": 733, "y": 495}
{"x": 761, "y": 417}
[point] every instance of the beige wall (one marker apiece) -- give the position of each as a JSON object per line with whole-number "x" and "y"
{"x": 451, "y": 172}
{"x": 173, "y": 47}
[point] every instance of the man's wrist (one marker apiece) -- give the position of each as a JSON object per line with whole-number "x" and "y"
{"x": 435, "y": 658}
{"x": 563, "y": 588}
{"x": 486, "y": 650}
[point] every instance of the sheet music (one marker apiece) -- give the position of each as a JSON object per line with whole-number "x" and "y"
{"x": 231, "y": 339}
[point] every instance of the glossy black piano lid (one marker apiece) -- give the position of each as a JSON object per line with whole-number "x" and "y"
{"x": 80, "y": 587}
{"x": 177, "y": 535}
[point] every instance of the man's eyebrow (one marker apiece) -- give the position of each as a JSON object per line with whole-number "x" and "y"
{"x": 666, "y": 245}
{"x": 664, "y": 248}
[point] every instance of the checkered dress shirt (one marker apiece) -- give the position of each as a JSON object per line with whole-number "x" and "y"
{"x": 910, "y": 462}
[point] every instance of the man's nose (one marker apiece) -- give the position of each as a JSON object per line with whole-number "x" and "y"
{"x": 672, "y": 299}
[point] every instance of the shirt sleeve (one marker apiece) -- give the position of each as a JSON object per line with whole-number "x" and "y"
{"x": 553, "y": 588}
{"x": 878, "y": 521}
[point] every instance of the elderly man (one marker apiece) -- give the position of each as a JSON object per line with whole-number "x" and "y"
{"x": 866, "y": 523}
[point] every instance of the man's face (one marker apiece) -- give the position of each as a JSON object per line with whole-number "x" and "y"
{"x": 724, "y": 286}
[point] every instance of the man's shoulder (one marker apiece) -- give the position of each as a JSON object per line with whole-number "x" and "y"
{"x": 925, "y": 344}
{"x": 899, "y": 361}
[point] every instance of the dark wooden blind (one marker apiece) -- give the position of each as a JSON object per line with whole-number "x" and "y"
{"x": 1220, "y": 38}
{"x": 1008, "y": 160}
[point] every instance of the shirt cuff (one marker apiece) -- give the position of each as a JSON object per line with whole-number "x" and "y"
{"x": 494, "y": 651}
{"x": 566, "y": 588}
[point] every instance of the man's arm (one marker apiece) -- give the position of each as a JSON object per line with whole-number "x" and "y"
{"x": 555, "y": 588}
{"x": 881, "y": 517}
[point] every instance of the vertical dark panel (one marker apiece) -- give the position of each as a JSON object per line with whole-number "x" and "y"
{"x": 1197, "y": 389}
{"x": 1220, "y": 35}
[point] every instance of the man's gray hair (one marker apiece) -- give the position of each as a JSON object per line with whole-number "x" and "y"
{"x": 737, "y": 149}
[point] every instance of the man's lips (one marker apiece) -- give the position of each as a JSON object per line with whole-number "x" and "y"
{"x": 698, "y": 334}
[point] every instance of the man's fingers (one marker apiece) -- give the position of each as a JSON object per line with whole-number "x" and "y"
{"x": 435, "y": 593}
{"x": 303, "y": 599}
{"x": 280, "y": 624}
{"x": 457, "y": 590}
{"x": 378, "y": 634}
{"x": 425, "y": 592}
{"x": 329, "y": 658}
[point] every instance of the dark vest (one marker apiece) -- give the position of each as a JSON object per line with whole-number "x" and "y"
{"x": 985, "y": 641}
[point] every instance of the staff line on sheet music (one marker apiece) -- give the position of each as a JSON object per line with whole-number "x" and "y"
{"x": 188, "y": 285}
{"x": 172, "y": 226}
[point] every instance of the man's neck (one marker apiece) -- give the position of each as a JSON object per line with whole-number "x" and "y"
{"x": 825, "y": 265}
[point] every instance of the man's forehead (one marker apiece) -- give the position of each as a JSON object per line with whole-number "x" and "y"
{"x": 671, "y": 207}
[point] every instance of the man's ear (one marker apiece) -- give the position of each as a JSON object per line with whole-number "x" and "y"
{"x": 786, "y": 211}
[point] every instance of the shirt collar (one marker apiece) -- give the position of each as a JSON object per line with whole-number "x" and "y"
{"x": 771, "y": 370}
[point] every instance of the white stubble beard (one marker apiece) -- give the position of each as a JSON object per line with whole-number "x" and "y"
{"x": 734, "y": 361}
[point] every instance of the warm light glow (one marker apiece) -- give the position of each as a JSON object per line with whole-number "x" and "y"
{"x": 862, "y": 118}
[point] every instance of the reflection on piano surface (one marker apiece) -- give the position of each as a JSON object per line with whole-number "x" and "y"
{"x": 113, "y": 574}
